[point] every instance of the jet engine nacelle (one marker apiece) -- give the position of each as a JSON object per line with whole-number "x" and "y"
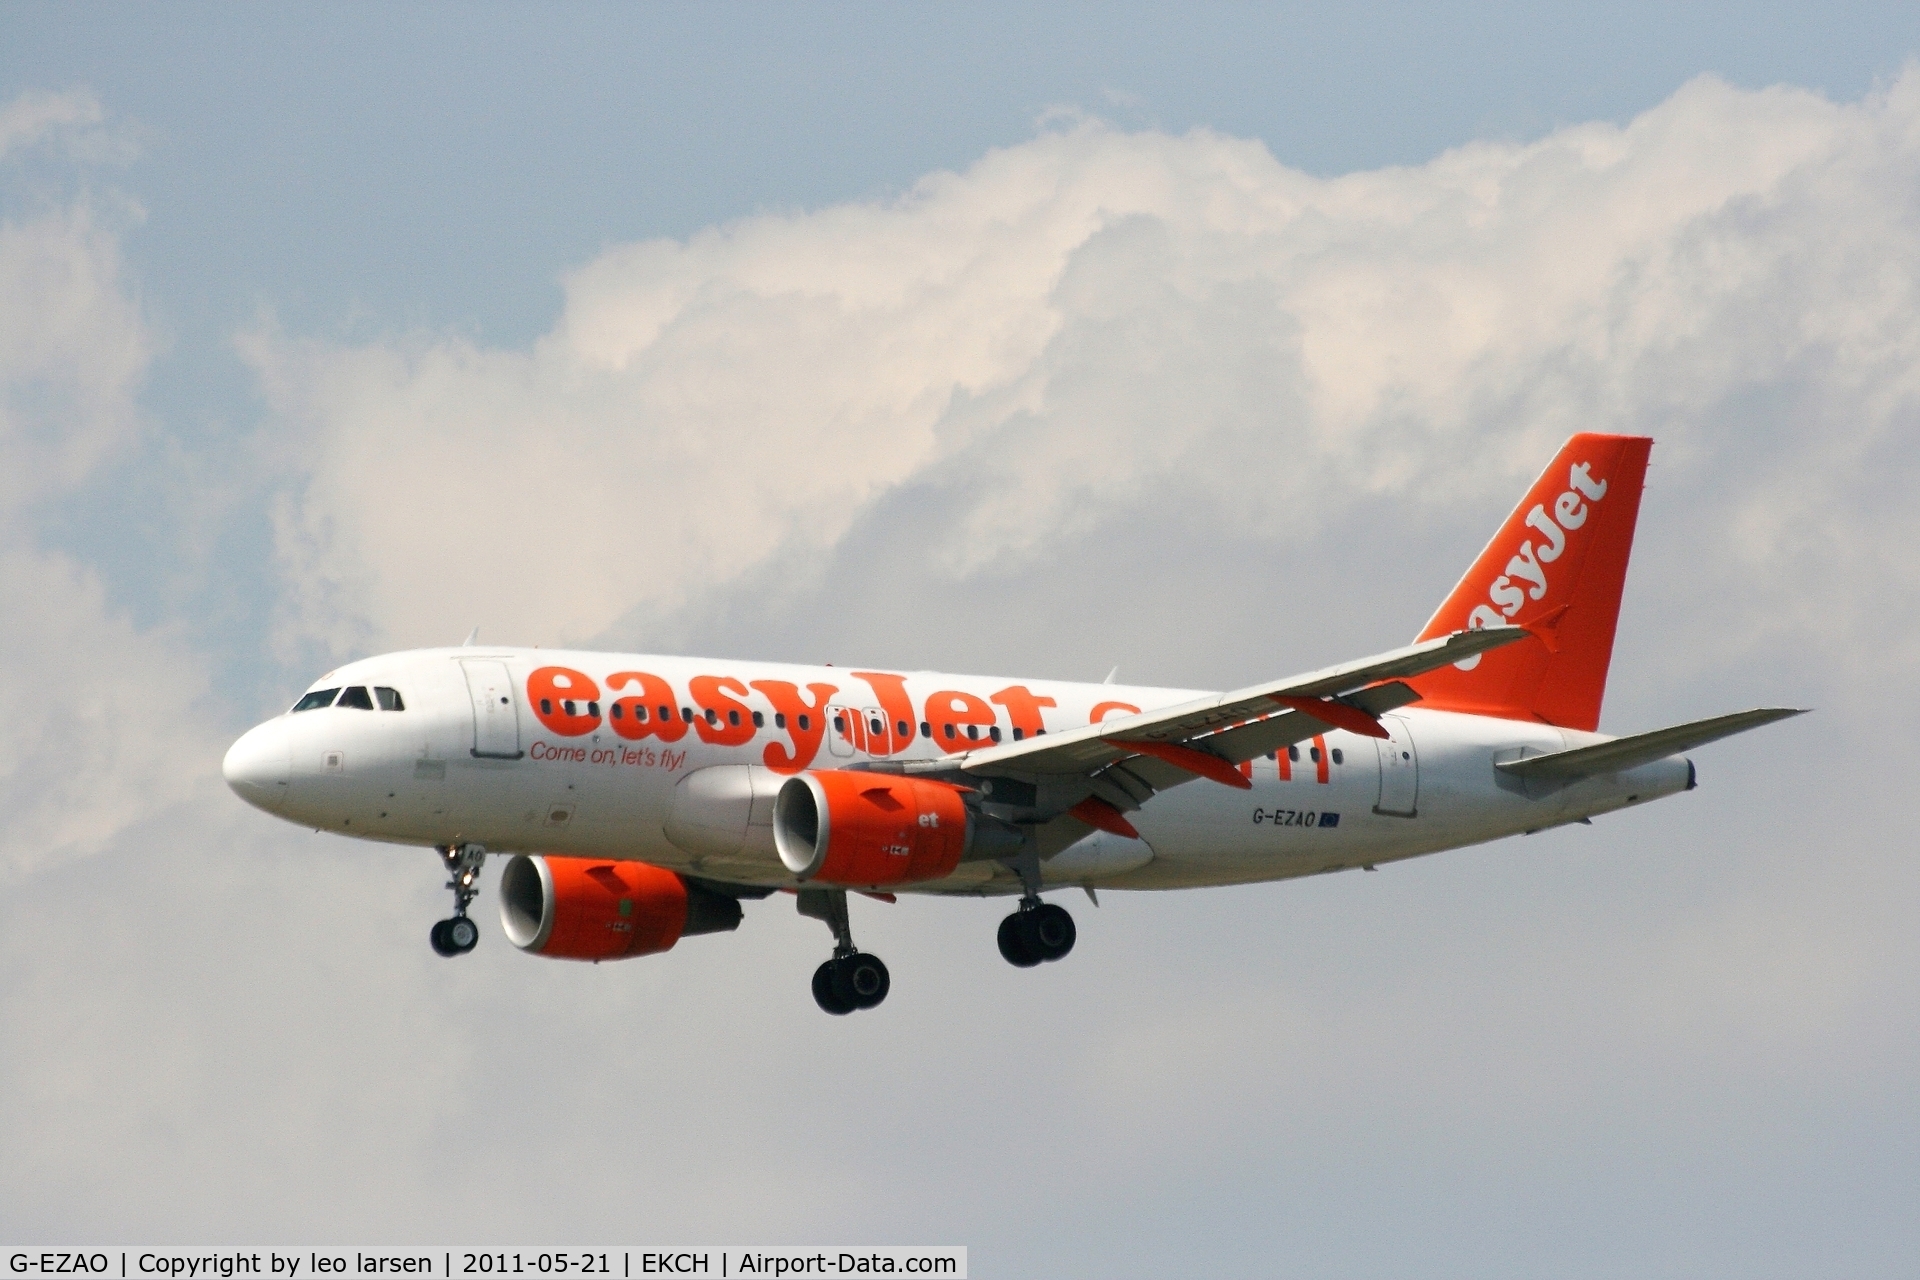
{"x": 593, "y": 909}
{"x": 846, "y": 827}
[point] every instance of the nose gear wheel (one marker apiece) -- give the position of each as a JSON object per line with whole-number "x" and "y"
{"x": 454, "y": 937}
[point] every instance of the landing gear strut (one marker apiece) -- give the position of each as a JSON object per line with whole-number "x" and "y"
{"x": 852, "y": 979}
{"x": 457, "y": 935}
{"x": 1038, "y": 931}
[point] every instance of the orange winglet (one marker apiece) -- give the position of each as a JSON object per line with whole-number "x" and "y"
{"x": 1338, "y": 714}
{"x": 1200, "y": 762}
{"x": 1096, "y": 812}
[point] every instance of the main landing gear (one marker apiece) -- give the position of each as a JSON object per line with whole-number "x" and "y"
{"x": 457, "y": 935}
{"x": 852, "y": 979}
{"x": 1038, "y": 931}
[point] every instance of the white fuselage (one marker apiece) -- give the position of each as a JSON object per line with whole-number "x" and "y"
{"x": 473, "y": 758}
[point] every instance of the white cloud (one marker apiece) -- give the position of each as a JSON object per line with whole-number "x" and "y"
{"x": 74, "y": 121}
{"x": 73, "y": 349}
{"x": 92, "y": 698}
{"x": 1091, "y": 317}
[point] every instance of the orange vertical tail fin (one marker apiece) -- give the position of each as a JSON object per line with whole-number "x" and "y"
{"x": 1557, "y": 565}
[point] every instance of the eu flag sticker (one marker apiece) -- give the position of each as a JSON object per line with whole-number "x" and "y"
{"x": 1329, "y": 819}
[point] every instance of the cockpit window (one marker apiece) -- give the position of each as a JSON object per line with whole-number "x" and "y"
{"x": 318, "y": 698}
{"x": 389, "y": 699}
{"x": 356, "y": 697}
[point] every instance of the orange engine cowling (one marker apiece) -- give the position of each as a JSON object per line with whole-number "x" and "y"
{"x": 841, "y": 826}
{"x": 593, "y": 909}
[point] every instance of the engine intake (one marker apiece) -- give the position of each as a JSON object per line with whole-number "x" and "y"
{"x": 593, "y": 909}
{"x": 846, "y": 827}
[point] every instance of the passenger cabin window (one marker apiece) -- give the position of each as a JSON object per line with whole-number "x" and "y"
{"x": 317, "y": 699}
{"x": 759, "y": 721}
{"x": 1338, "y": 758}
{"x": 389, "y": 699}
{"x": 1293, "y": 753}
{"x": 779, "y": 719}
{"x": 355, "y": 696}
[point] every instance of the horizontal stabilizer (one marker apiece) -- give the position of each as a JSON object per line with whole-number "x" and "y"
{"x": 1642, "y": 748}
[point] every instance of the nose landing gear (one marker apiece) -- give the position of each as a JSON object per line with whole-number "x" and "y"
{"x": 457, "y": 935}
{"x": 852, "y": 979}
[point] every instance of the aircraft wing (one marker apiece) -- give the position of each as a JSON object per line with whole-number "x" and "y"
{"x": 1642, "y": 748}
{"x": 1217, "y": 726}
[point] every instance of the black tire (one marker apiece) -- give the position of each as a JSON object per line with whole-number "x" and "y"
{"x": 463, "y": 935}
{"x": 1015, "y": 945}
{"x": 438, "y": 937}
{"x": 824, "y": 994}
{"x": 843, "y": 983}
{"x": 865, "y": 980}
{"x": 1052, "y": 930}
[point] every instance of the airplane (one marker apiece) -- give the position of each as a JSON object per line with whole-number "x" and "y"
{"x": 641, "y": 798}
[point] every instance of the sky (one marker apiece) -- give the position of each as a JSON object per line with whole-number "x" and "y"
{"x": 1210, "y": 343}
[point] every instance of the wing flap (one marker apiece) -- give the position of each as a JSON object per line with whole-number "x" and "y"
{"x": 1642, "y": 748}
{"x": 1257, "y": 738}
{"x": 1092, "y": 747}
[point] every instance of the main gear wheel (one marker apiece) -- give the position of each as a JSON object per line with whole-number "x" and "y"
{"x": 1036, "y": 933}
{"x": 847, "y": 983}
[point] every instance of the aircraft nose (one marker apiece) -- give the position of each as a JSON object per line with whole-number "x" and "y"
{"x": 257, "y": 765}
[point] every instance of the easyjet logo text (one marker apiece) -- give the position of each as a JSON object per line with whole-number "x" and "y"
{"x": 725, "y": 711}
{"x": 1527, "y": 575}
